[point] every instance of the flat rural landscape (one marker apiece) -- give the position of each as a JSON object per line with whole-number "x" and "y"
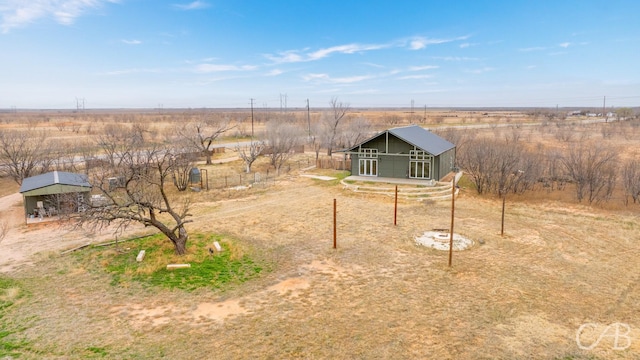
{"x": 560, "y": 283}
{"x": 246, "y": 179}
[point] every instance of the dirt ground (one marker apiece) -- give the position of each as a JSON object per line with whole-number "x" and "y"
{"x": 377, "y": 296}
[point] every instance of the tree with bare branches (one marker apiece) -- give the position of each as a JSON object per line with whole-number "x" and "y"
{"x": 23, "y": 154}
{"x": 181, "y": 162}
{"x": 282, "y": 139}
{"x": 337, "y": 113}
{"x": 115, "y": 140}
{"x": 355, "y": 131}
{"x": 141, "y": 196}
{"x": 631, "y": 180}
{"x": 250, "y": 154}
{"x": 592, "y": 167}
{"x": 202, "y": 133}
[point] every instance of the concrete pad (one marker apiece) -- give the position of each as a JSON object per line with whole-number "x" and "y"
{"x": 320, "y": 177}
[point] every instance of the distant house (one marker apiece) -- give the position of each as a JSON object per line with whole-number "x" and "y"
{"x": 54, "y": 192}
{"x": 405, "y": 152}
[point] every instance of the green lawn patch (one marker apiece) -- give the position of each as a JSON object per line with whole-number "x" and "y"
{"x": 233, "y": 265}
{"x": 11, "y": 345}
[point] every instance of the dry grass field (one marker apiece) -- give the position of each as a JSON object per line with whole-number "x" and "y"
{"x": 378, "y": 295}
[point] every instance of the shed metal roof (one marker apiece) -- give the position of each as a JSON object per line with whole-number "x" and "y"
{"x": 54, "y": 178}
{"x": 418, "y": 137}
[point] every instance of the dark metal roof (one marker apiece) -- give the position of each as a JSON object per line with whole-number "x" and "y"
{"x": 422, "y": 138}
{"x": 52, "y": 178}
{"x": 416, "y": 136}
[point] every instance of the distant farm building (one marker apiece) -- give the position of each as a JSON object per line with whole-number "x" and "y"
{"x": 406, "y": 152}
{"x": 53, "y": 193}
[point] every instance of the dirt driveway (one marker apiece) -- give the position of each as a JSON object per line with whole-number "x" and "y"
{"x": 23, "y": 241}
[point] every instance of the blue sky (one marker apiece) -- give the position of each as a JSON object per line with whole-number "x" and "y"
{"x": 368, "y": 53}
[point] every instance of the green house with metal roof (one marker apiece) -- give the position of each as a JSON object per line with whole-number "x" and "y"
{"x": 409, "y": 152}
{"x": 53, "y": 193}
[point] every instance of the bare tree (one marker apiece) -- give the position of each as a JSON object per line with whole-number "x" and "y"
{"x": 624, "y": 113}
{"x": 338, "y": 111}
{"x": 631, "y": 180}
{"x": 115, "y": 140}
{"x": 316, "y": 138}
{"x": 250, "y": 153}
{"x": 202, "y": 133}
{"x": 282, "y": 138}
{"x": 592, "y": 168}
{"x": 142, "y": 196}
{"x": 498, "y": 166}
{"x": 23, "y": 154}
{"x": 181, "y": 162}
{"x": 356, "y": 131}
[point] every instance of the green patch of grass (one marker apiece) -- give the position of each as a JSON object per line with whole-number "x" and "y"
{"x": 217, "y": 271}
{"x": 10, "y": 345}
{"x": 95, "y": 351}
{"x": 341, "y": 175}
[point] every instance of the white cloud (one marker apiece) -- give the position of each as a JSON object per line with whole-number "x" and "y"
{"x": 20, "y": 13}
{"x": 481, "y": 71}
{"x": 339, "y": 80}
{"x": 131, "y": 42}
{"x": 343, "y": 49}
{"x": 294, "y": 56}
{"x": 413, "y": 77}
{"x": 533, "y": 48}
{"x": 196, "y": 5}
{"x": 134, "y": 71}
{"x": 455, "y": 58}
{"x": 208, "y": 68}
{"x": 419, "y": 42}
{"x": 290, "y": 56}
{"x": 564, "y": 44}
{"x": 424, "y": 67}
{"x": 274, "y": 72}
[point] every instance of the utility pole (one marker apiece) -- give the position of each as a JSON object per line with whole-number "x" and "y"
{"x": 252, "y": 117}
{"x": 308, "y": 118}
{"x": 604, "y": 101}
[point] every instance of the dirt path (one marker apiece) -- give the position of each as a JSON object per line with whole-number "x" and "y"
{"x": 22, "y": 242}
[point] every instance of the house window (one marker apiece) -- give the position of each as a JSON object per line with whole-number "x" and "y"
{"x": 368, "y": 167}
{"x": 419, "y": 155}
{"x": 419, "y": 164}
{"x": 368, "y": 153}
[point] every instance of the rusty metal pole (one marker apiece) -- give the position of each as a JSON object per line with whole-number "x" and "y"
{"x": 504, "y": 197}
{"x": 453, "y": 206}
{"x": 335, "y": 242}
{"x": 395, "y": 209}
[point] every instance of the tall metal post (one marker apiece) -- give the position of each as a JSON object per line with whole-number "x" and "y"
{"x": 335, "y": 242}
{"x": 504, "y": 198}
{"x": 395, "y": 208}
{"x": 453, "y": 206}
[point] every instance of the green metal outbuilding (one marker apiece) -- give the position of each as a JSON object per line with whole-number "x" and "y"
{"x": 54, "y": 192}
{"x": 409, "y": 152}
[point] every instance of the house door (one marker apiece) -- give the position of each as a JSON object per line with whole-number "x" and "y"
{"x": 368, "y": 167}
{"x": 420, "y": 169}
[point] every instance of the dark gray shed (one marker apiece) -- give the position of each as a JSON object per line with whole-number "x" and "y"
{"x": 53, "y": 192}
{"x": 404, "y": 152}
